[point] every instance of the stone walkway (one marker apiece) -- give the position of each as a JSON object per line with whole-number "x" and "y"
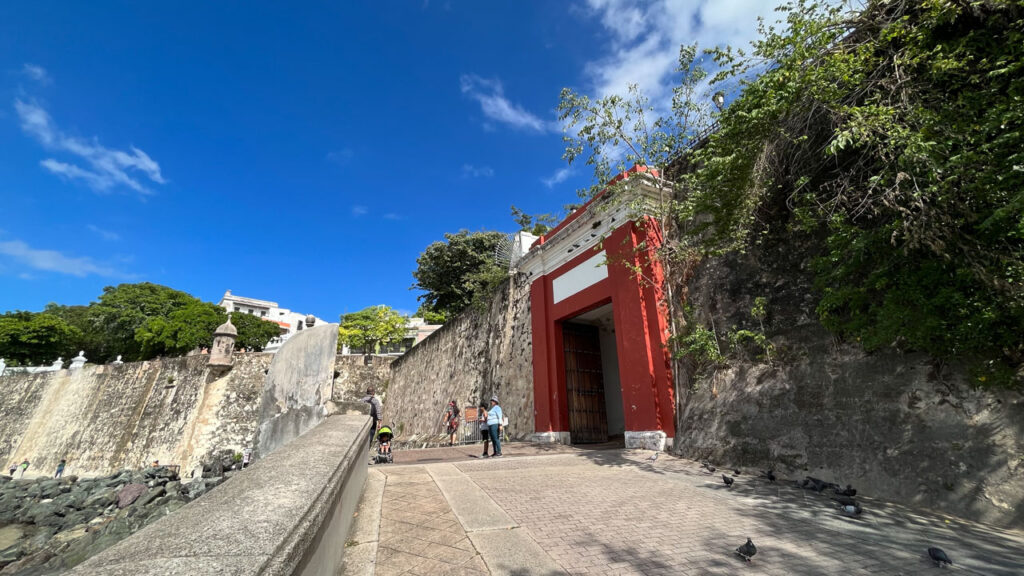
{"x": 613, "y": 512}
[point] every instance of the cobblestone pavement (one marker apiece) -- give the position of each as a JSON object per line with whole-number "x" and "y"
{"x": 613, "y": 512}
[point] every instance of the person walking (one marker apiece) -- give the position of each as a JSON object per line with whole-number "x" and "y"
{"x": 23, "y": 467}
{"x": 376, "y": 412}
{"x": 485, "y": 432}
{"x": 494, "y": 420}
{"x": 451, "y": 419}
{"x": 60, "y": 468}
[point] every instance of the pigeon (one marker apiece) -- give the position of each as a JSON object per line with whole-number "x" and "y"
{"x": 848, "y": 491}
{"x": 736, "y": 472}
{"x": 769, "y": 475}
{"x": 815, "y": 484}
{"x": 748, "y": 550}
{"x": 728, "y": 481}
{"x": 711, "y": 469}
{"x": 845, "y": 500}
{"x": 939, "y": 556}
{"x": 851, "y": 510}
{"x": 654, "y": 457}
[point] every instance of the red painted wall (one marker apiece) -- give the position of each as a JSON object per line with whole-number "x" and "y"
{"x": 641, "y": 332}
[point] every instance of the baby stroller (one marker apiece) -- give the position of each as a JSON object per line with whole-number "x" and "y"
{"x": 384, "y": 437}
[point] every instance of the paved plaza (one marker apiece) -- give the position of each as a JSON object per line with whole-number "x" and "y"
{"x": 565, "y": 511}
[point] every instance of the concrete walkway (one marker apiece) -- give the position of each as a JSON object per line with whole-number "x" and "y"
{"x": 545, "y": 511}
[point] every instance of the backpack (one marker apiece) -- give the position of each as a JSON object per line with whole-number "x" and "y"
{"x": 374, "y": 403}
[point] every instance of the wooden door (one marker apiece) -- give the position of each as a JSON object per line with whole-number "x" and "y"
{"x": 584, "y": 383}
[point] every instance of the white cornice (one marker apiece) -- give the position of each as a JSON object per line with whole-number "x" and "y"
{"x": 637, "y": 196}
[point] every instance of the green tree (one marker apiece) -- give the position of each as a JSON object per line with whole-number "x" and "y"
{"x": 371, "y": 328}
{"x": 182, "y": 330}
{"x": 536, "y": 224}
{"x": 430, "y": 316}
{"x": 455, "y": 272}
{"x": 124, "y": 309}
{"x": 90, "y": 337}
{"x": 253, "y": 332}
{"x": 31, "y": 339}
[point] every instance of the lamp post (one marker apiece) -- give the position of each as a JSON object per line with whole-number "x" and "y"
{"x": 719, "y": 100}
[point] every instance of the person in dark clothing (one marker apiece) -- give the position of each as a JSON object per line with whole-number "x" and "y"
{"x": 485, "y": 432}
{"x": 376, "y": 411}
{"x": 60, "y": 468}
{"x": 451, "y": 420}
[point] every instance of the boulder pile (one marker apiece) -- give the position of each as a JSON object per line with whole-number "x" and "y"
{"x": 47, "y": 526}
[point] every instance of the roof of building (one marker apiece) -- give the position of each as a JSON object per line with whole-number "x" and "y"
{"x": 249, "y": 301}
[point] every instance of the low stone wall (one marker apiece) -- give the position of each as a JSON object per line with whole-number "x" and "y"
{"x": 475, "y": 355}
{"x": 110, "y": 417}
{"x": 288, "y": 513}
{"x": 353, "y": 376}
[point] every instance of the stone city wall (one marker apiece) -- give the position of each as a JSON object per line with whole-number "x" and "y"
{"x": 110, "y": 417}
{"x": 475, "y": 355}
{"x": 352, "y": 376}
{"x": 897, "y": 426}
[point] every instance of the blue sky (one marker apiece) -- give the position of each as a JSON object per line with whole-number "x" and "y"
{"x": 299, "y": 153}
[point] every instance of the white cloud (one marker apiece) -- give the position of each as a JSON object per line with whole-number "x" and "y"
{"x": 37, "y": 73}
{"x": 393, "y": 216}
{"x": 108, "y": 167}
{"x": 644, "y": 39}
{"x": 560, "y": 175}
{"x": 53, "y": 261}
{"x": 105, "y": 234}
{"x": 491, "y": 96}
{"x": 360, "y": 210}
{"x": 470, "y": 171}
{"x": 341, "y": 157}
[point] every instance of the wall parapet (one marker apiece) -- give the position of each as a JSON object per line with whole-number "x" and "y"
{"x": 288, "y": 513}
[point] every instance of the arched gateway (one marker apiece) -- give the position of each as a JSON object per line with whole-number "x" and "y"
{"x": 601, "y": 365}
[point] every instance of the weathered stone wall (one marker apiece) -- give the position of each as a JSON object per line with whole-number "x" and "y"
{"x": 298, "y": 387}
{"x": 353, "y": 376}
{"x": 106, "y": 418}
{"x": 897, "y": 426}
{"x": 473, "y": 356}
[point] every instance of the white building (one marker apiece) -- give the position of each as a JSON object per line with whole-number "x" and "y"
{"x": 289, "y": 322}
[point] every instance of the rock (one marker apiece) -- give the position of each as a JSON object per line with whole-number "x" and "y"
{"x": 129, "y": 494}
{"x": 74, "y": 518}
{"x": 216, "y": 468}
{"x": 173, "y": 487}
{"x": 42, "y": 536}
{"x": 152, "y": 495}
{"x": 70, "y": 535}
{"x": 103, "y": 498}
{"x": 49, "y": 488}
{"x": 42, "y": 515}
{"x": 72, "y": 479}
{"x": 10, "y": 554}
{"x": 118, "y": 480}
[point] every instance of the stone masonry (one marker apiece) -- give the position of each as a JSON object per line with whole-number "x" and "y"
{"x": 477, "y": 354}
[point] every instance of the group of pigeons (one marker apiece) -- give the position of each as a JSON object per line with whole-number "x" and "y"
{"x": 844, "y": 497}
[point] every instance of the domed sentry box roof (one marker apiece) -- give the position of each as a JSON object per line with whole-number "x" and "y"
{"x": 226, "y": 329}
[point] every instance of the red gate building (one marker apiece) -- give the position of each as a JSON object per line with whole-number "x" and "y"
{"x": 601, "y": 364}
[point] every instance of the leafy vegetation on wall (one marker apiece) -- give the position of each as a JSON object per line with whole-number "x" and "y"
{"x": 891, "y": 137}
